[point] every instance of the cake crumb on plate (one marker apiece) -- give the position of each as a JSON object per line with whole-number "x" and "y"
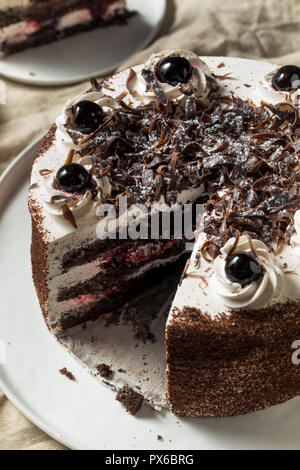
{"x": 130, "y": 399}
{"x": 104, "y": 371}
{"x": 64, "y": 371}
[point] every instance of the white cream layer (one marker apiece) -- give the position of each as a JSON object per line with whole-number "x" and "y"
{"x": 20, "y": 32}
{"x": 258, "y": 293}
{"x": 74, "y": 18}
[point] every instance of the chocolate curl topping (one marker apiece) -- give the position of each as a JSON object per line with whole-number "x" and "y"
{"x": 247, "y": 162}
{"x": 153, "y": 84}
{"x": 45, "y": 172}
{"x": 68, "y": 215}
{"x": 236, "y": 242}
{"x": 70, "y": 157}
{"x": 190, "y": 108}
{"x": 95, "y": 84}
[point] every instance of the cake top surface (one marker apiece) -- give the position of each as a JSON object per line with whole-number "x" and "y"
{"x": 169, "y": 131}
{"x": 153, "y": 151}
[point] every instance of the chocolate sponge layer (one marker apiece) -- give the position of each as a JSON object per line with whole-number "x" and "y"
{"x": 232, "y": 365}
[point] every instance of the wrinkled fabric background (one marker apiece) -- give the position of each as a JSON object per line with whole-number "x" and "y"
{"x": 261, "y": 29}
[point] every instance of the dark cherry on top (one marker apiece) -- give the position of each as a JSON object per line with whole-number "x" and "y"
{"x": 174, "y": 70}
{"x": 287, "y": 78}
{"x": 73, "y": 178}
{"x": 87, "y": 116}
{"x": 243, "y": 269}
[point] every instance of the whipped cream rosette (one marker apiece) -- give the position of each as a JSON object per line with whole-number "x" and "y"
{"x": 257, "y": 294}
{"x": 146, "y": 87}
{"x": 70, "y": 137}
{"x": 81, "y": 204}
{"x": 268, "y": 92}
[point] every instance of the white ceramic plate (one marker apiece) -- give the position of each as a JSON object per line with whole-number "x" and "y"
{"x": 84, "y": 414}
{"x": 93, "y": 53}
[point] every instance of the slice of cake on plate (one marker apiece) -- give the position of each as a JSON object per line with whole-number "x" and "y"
{"x": 172, "y": 132}
{"x": 30, "y": 23}
{"x": 105, "y": 147}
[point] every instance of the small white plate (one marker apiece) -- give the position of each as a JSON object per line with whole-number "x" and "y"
{"x": 93, "y": 53}
{"x": 84, "y": 414}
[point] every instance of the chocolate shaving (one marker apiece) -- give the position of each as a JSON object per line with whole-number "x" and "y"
{"x": 70, "y": 157}
{"x": 154, "y": 85}
{"x": 247, "y": 158}
{"x": 45, "y": 172}
{"x": 55, "y": 199}
{"x": 223, "y": 77}
{"x": 131, "y": 76}
{"x": 95, "y": 84}
{"x": 122, "y": 96}
{"x": 33, "y": 186}
{"x": 190, "y": 108}
{"x": 207, "y": 250}
{"x": 236, "y": 242}
{"x": 252, "y": 249}
{"x": 68, "y": 215}
{"x": 187, "y": 89}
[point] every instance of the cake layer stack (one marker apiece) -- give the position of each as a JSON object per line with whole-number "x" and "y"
{"x": 30, "y": 23}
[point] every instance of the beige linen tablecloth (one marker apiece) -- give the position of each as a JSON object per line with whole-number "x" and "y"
{"x": 266, "y": 29}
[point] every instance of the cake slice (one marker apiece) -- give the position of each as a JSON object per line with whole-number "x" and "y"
{"x": 155, "y": 140}
{"x": 30, "y": 23}
{"x": 104, "y": 148}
